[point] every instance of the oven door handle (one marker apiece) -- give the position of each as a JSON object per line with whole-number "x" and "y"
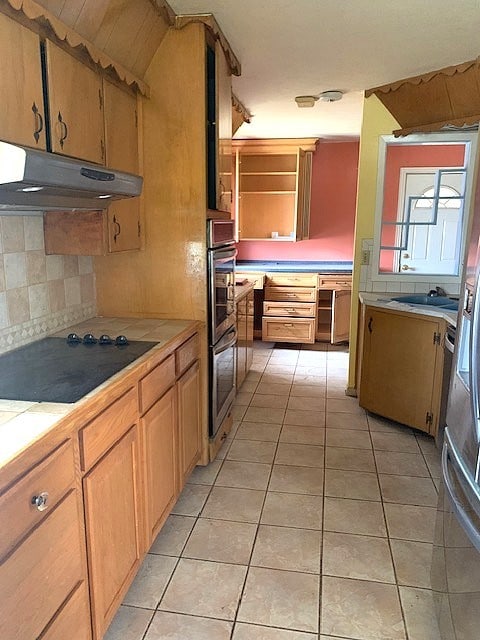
{"x": 224, "y": 255}
{"x": 226, "y": 342}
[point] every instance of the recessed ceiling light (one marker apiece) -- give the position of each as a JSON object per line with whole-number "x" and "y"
{"x": 331, "y": 96}
{"x": 306, "y": 101}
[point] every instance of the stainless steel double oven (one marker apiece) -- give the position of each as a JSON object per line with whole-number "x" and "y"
{"x": 221, "y": 317}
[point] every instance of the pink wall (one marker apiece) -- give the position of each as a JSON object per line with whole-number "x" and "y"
{"x": 332, "y": 212}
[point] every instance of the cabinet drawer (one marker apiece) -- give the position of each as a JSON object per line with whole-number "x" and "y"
{"x": 154, "y": 384}
{"x": 292, "y": 330}
{"x": 40, "y": 575}
{"x": 292, "y": 279}
{"x": 53, "y": 476}
{"x": 296, "y": 309}
{"x": 73, "y": 621}
{"x": 186, "y": 354}
{"x": 296, "y": 294}
{"x": 100, "y": 434}
{"x": 257, "y": 278}
{"x": 334, "y": 282}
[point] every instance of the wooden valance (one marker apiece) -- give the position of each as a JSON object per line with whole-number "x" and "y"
{"x": 209, "y": 21}
{"x": 432, "y": 101}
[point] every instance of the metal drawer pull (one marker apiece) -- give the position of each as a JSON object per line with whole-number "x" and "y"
{"x": 40, "y": 501}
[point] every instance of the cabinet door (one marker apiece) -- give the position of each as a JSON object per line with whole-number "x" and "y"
{"x": 341, "y": 301}
{"x": 22, "y": 118}
{"x": 241, "y": 341}
{"x": 121, "y": 128}
{"x": 400, "y": 367}
{"x": 190, "y": 437}
{"x": 250, "y": 321}
{"x": 224, "y": 131}
{"x": 158, "y": 439}
{"x": 76, "y": 106}
{"x": 112, "y": 513}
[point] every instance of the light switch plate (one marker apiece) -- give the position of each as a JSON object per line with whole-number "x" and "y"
{"x": 365, "y": 256}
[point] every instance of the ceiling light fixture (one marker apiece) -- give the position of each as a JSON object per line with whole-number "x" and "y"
{"x": 331, "y": 96}
{"x": 306, "y": 101}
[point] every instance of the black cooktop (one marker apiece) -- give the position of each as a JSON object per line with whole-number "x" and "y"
{"x": 53, "y": 370}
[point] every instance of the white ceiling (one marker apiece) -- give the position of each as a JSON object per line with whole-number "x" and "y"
{"x": 296, "y": 47}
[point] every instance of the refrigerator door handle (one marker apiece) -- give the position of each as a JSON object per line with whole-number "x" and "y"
{"x": 456, "y": 504}
{"x": 473, "y": 362}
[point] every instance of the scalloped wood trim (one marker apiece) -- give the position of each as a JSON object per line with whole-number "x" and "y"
{"x": 241, "y": 108}
{"x": 165, "y": 11}
{"x": 471, "y": 121}
{"x": 55, "y": 27}
{"x": 424, "y": 78}
{"x": 209, "y": 21}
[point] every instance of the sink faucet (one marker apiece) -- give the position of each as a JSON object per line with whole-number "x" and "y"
{"x": 438, "y": 291}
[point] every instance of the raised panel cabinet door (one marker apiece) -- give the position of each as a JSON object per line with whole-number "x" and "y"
{"x": 23, "y": 119}
{"x": 241, "y": 341}
{"x": 224, "y": 131}
{"x": 250, "y": 323}
{"x": 159, "y": 452}
{"x": 341, "y": 301}
{"x": 124, "y": 232}
{"x": 112, "y": 514}
{"x": 76, "y": 106}
{"x": 189, "y": 426}
{"x": 399, "y": 367}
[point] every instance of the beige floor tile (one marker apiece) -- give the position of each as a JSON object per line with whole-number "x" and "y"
{"x": 307, "y": 391}
{"x": 405, "y": 442}
{"x": 419, "y": 610}
{"x": 300, "y": 403}
{"x": 402, "y": 464}
{"x": 277, "y": 378}
{"x": 258, "y": 431}
{"x": 434, "y": 464}
{"x": 240, "y": 505}
{"x": 305, "y": 369}
{"x": 344, "y": 405}
{"x": 313, "y": 358}
{"x": 345, "y": 612}
{"x": 150, "y": 582}
{"x": 244, "y": 631}
{"x": 305, "y": 418}
{"x": 336, "y": 390}
{"x": 243, "y": 398}
{"x": 176, "y": 626}
{"x": 354, "y": 516}
{"x": 349, "y": 459}
{"x": 203, "y": 588}
{"x": 350, "y": 438}
{"x": 284, "y": 356}
{"x": 291, "y": 479}
{"x": 408, "y": 490}
{"x": 238, "y": 411}
{"x": 352, "y": 556}
{"x": 270, "y": 401}
{"x": 302, "y": 435}
{"x": 249, "y": 386}
{"x": 264, "y": 414}
{"x": 305, "y": 379}
{"x": 301, "y": 455}
{"x": 252, "y": 451}
{"x": 130, "y": 623}
{"x": 221, "y": 541}
{"x": 351, "y": 484}
{"x": 377, "y": 423}
{"x": 412, "y": 562}
{"x": 287, "y": 548}
{"x": 273, "y": 389}
{"x": 244, "y": 475}
{"x": 173, "y": 535}
{"x": 294, "y": 510}
{"x": 409, "y": 522}
{"x": 345, "y": 421}
{"x": 191, "y": 500}
{"x": 205, "y": 474}
{"x": 426, "y": 443}
{"x": 224, "y": 449}
{"x": 285, "y": 599}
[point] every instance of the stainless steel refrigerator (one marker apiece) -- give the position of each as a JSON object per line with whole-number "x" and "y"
{"x": 456, "y": 552}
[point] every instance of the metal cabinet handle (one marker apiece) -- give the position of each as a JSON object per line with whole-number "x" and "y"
{"x": 38, "y": 122}
{"x": 40, "y": 501}
{"x": 370, "y": 323}
{"x": 118, "y": 228}
{"x": 405, "y": 267}
{"x": 64, "y": 128}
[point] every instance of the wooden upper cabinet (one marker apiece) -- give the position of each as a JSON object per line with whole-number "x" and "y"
{"x": 224, "y": 128}
{"x": 76, "y": 106}
{"x": 23, "y": 120}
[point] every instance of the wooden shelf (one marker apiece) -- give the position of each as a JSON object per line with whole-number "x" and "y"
{"x": 269, "y": 173}
{"x": 261, "y": 193}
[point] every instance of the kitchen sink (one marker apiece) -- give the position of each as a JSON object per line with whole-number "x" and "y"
{"x": 436, "y": 301}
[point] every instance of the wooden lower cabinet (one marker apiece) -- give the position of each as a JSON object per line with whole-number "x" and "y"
{"x": 402, "y": 367}
{"x": 73, "y": 620}
{"x": 288, "y": 330}
{"x": 189, "y": 431}
{"x": 290, "y": 308}
{"x": 158, "y": 428}
{"x": 112, "y": 511}
{"x": 334, "y": 302}
{"x": 245, "y": 319}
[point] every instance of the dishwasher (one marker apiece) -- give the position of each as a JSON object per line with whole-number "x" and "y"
{"x": 449, "y": 345}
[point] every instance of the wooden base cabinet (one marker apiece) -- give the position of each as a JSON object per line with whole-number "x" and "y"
{"x": 334, "y": 302}
{"x": 189, "y": 427}
{"x": 245, "y": 318}
{"x": 402, "y": 366}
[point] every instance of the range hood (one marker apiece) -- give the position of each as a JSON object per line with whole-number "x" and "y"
{"x": 32, "y": 180}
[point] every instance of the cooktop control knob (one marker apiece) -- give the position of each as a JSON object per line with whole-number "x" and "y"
{"x": 73, "y": 338}
{"x": 104, "y": 339}
{"x": 121, "y": 341}
{"x": 89, "y": 338}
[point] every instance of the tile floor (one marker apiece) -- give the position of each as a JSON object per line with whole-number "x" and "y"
{"x": 314, "y": 523}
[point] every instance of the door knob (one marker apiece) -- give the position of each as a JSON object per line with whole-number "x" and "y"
{"x": 405, "y": 267}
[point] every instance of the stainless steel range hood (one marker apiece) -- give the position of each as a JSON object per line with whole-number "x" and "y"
{"x": 32, "y": 180}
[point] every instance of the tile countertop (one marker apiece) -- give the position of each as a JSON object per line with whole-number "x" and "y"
{"x": 23, "y": 423}
{"x": 294, "y": 266}
{"x": 384, "y": 301}
{"x": 241, "y": 290}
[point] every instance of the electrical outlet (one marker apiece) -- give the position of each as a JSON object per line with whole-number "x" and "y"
{"x": 365, "y": 256}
